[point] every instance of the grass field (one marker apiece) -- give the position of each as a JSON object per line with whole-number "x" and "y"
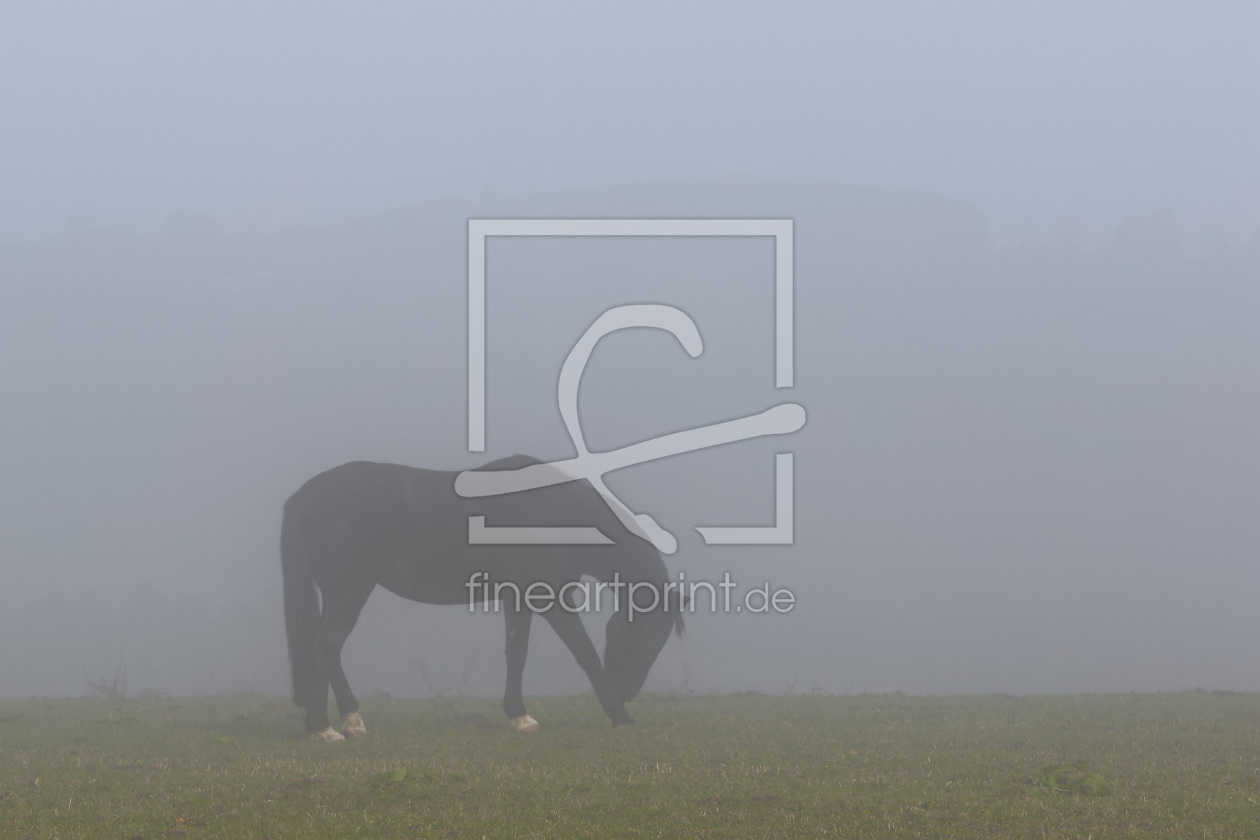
{"x": 1169, "y": 766}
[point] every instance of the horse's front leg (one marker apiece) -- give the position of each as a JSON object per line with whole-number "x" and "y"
{"x": 517, "y": 623}
{"x": 568, "y": 626}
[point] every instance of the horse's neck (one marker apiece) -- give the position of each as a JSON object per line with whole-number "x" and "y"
{"x": 637, "y": 567}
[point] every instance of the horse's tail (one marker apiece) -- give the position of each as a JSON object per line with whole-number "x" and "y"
{"x": 301, "y": 606}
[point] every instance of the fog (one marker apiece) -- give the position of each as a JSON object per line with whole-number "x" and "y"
{"x": 265, "y": 116}
{"x": 1027, "y": 276}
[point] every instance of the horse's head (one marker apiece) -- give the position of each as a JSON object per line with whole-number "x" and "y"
{"x": 635, "y": 637}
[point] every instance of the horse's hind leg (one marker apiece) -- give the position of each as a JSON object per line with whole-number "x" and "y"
{"x": 339, "y": 617}
{"x": 351, "y": 720}
{"x": 517, "y": 646}
{"x": 317, "y": 711}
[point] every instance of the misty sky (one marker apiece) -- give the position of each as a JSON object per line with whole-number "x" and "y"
{"x": 290, "y": 112}
{"x": 232, "y": 255}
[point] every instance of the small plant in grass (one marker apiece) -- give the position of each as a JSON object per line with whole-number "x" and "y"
{"x": 113, "y": 688}
{"x": 402, "y": 781}
{"x": 1074, "y": 778}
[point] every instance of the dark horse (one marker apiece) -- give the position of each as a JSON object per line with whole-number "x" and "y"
{"x": 364, "y": 524}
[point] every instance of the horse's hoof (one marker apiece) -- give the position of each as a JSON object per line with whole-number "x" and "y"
{"x": 624, "y": 724}
{"x": 353, "y": 725}
{"x": 525, "y": 723}
{"x": 328, "y": 736}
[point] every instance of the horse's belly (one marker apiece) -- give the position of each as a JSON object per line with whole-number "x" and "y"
{"x": 428, "y": 583}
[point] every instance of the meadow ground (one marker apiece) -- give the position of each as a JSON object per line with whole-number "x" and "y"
{"x": 1169, "y": 766}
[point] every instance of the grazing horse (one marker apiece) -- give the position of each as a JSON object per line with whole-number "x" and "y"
{"x": 365, "y": 524}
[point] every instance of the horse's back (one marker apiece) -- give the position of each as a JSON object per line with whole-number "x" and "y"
{"x": 407, "y": 529}
{"x": 364, "y": 513}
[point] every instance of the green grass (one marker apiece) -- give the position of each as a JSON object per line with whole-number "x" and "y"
{"x": 1171, "y": 765}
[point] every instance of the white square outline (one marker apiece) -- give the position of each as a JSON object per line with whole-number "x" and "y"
{"x": 480, "y": 229}
{"x": 782, "y": 532}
